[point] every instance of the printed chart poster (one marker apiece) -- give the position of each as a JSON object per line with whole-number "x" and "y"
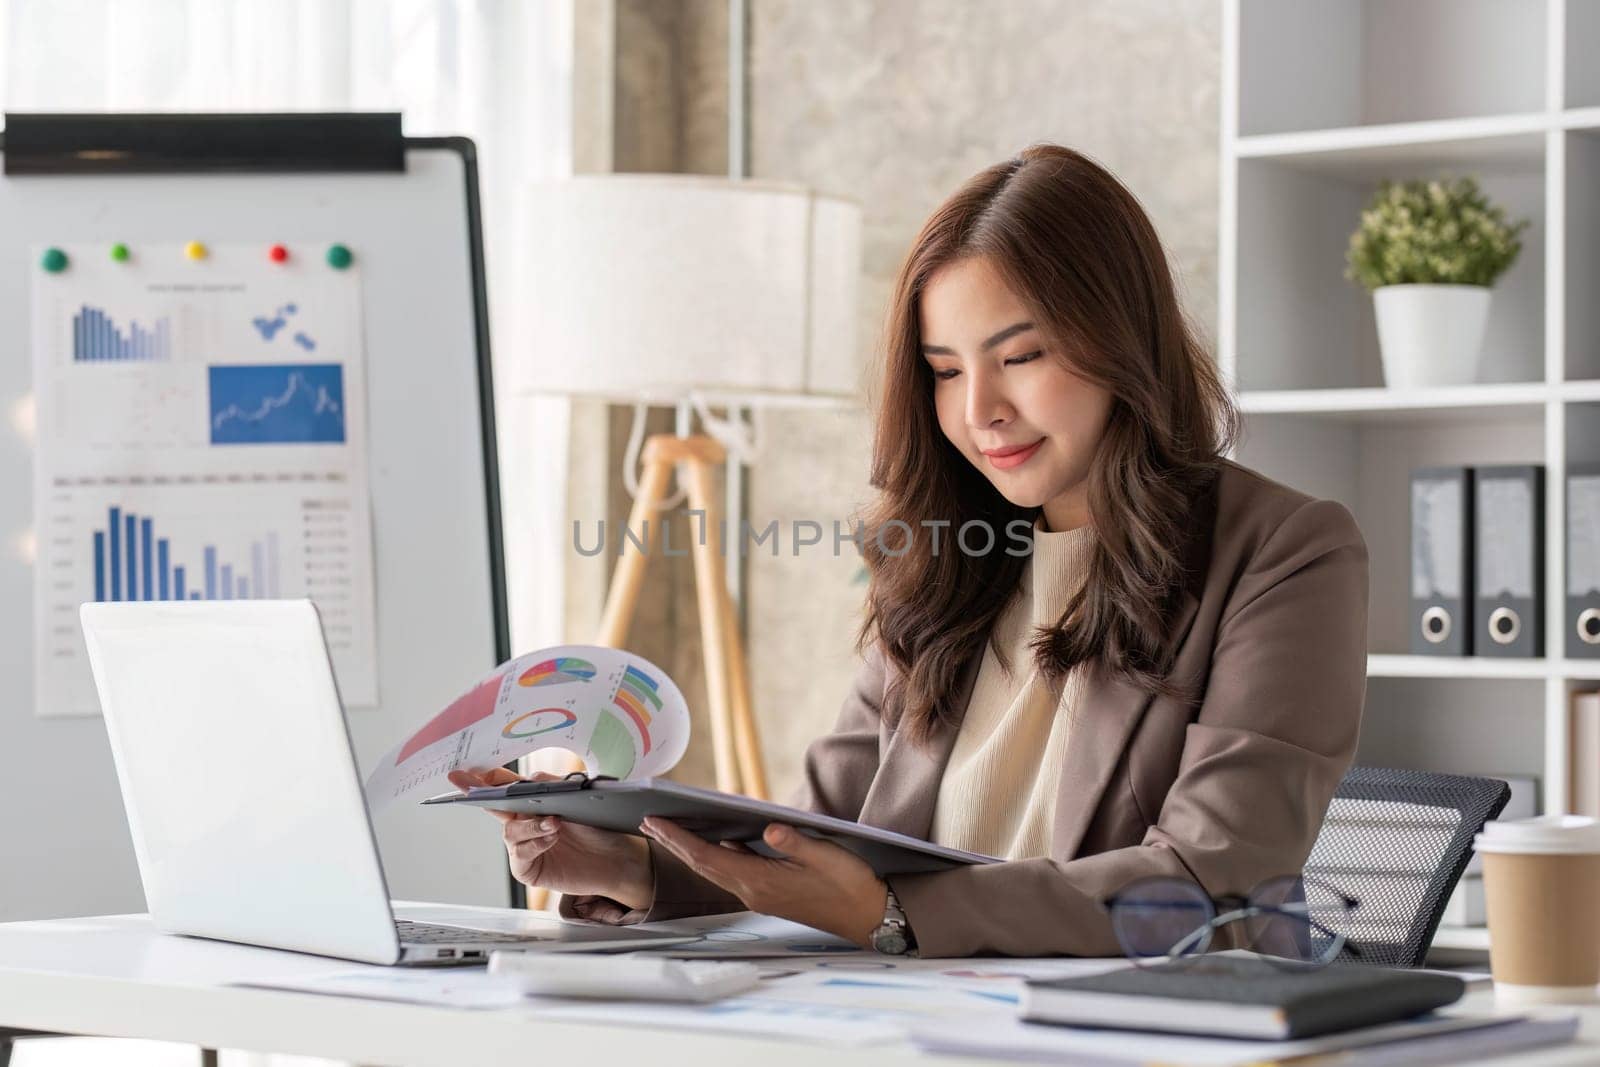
{"x": 201, "y": 436}
{"x": 620, "y": 712}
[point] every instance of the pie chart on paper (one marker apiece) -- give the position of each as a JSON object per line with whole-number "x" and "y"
{"x": 557, "y": 671}
{"x": 543, "y": 721}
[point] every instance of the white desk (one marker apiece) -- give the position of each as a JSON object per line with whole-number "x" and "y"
{"x": 116, "y": 977}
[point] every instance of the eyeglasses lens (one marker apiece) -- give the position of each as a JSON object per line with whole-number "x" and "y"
{"x": 1162, "y": 918}
{"x": 1298, "y": 920}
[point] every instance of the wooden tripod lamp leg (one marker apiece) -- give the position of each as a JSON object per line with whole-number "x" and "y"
{"x": 626, "y": 581}
{"x": 711, "y": 593}
{"x": 752, "y": 769}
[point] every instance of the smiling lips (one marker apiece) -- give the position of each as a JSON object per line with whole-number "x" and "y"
{"x": 1012, "y": 455}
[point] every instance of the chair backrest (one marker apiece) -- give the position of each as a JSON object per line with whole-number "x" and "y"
{"x": 1397, "y": 841}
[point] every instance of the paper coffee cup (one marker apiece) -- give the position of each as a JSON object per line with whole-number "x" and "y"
{"x": 1541, "y": 882}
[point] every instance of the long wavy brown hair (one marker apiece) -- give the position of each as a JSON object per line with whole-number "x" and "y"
{"x": 1076, "y": 247}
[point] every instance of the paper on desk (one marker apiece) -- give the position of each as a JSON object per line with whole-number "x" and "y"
{"x": 739, "y": 1015}
{"x": 750, "y": 936}
{"x": 830, "y": 1000}
{"x": 471, "y": 988}
{"x": 747, "y": 935}
{"x": 823, "y": 1005}
{"x": 1431, "y": 1039}
{"x": 850, "y": 1001}
{"x": 619, "y": 712}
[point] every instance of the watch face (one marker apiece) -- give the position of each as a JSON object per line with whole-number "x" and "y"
{"x": 889, "y": 942}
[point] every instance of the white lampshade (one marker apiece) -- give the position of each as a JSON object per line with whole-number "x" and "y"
{"x": 650, "y": 286}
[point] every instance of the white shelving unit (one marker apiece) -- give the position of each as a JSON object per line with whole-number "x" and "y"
{"x": 1321, "y": 100}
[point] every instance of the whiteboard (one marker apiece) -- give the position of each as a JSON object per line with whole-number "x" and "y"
{"x": 441, "y": 618}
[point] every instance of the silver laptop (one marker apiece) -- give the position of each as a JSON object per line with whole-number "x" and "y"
{"x": 242, "y": 792}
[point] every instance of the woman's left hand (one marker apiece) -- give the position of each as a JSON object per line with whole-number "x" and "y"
{"x": 814, "y": 882}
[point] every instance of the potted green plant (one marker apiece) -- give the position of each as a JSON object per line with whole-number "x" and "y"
{"x": 1429, "y": 251}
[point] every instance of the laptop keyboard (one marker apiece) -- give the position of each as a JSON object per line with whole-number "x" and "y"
{"x": 415, "y": 933}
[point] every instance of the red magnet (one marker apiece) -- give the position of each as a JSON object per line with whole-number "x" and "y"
{"x": 278, "y": 254}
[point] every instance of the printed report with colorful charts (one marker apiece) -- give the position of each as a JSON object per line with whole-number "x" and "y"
{"x": 619, "y": 712}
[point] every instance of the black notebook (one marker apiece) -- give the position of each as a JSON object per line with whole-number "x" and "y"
{"x": 1235, "y": 996}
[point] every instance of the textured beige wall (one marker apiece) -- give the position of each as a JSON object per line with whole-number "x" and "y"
{"x": 895, "y": 102}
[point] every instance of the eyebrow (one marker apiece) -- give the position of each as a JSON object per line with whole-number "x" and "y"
{"x": 1010, "y": 331}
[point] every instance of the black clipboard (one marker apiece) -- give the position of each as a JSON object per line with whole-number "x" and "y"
{"x": 611, "y": 804}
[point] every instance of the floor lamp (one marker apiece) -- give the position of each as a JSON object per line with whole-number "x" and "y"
{"x": 700, "y": 293}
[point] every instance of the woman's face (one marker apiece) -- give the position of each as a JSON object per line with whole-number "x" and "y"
{"x": 1004, "y": 398}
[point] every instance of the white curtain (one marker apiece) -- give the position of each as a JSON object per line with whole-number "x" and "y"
{"x": 498, "y": 71}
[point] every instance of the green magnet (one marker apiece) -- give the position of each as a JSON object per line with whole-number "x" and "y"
{"x": 54, "y": 261}
{"x": 339, "y": 257}
{"x": 119, "y": 252}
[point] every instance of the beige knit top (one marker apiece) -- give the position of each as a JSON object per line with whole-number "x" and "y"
{"x": 998, "y": 794}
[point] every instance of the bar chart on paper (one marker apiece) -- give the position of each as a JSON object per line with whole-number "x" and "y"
{"x": 97, "y": 338}
{"x": 200, "y": 437}
{"x": 131, "y": 562}
{"x": 206, "y": 537}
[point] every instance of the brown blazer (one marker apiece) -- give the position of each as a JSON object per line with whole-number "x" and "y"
{"x": 1226, "y": 791}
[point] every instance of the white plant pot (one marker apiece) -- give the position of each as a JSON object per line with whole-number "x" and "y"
{"x": 1430, "y": 334}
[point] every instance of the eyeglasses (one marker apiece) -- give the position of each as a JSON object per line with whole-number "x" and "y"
{"x": 1291, "y": 921}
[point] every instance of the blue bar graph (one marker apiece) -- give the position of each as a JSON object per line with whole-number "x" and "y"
{"x": 100, "y": 565}
{"x": 131, "y": 562}
{"x": 132, "y": 573}
{"x": 116, "y": 553}
{"x": 96, "y": 338}
{"x": 145, "y": 555}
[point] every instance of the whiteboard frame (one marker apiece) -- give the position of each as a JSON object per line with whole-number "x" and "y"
{"x": 465, "y": 149}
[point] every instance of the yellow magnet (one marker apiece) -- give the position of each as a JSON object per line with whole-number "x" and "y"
{"x": 195, "y": 250}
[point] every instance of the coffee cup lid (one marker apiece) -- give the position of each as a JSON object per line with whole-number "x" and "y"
{"x": 1543, "y": 834}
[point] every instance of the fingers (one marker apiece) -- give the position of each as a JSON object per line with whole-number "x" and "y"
{"x": 599, "y": 909}
{"x": 526, "y": 842}
{"x": 727, "y": 868}
{"x": 529, "y": 828}
{"x": 464, "y": 779}
{"x": 793, "y": 843}
{"x": 824, "y": 857}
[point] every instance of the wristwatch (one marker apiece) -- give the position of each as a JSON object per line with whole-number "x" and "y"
{"x": 893, "y": 936}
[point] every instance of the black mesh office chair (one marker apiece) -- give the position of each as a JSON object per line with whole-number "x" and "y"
{"x": 1398, "y": 841}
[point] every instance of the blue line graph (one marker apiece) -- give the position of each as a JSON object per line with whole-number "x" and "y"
{"x": 96, "y": 338}
{"x": 277, "y": 404}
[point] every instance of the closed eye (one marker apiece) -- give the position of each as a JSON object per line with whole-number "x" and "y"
{"x": 950, "y": 372}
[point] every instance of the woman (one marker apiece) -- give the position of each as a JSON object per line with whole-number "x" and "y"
{"x": 1169, "y": 683}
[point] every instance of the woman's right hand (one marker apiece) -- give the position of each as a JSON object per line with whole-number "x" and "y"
{"x": 549, "y": 852}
